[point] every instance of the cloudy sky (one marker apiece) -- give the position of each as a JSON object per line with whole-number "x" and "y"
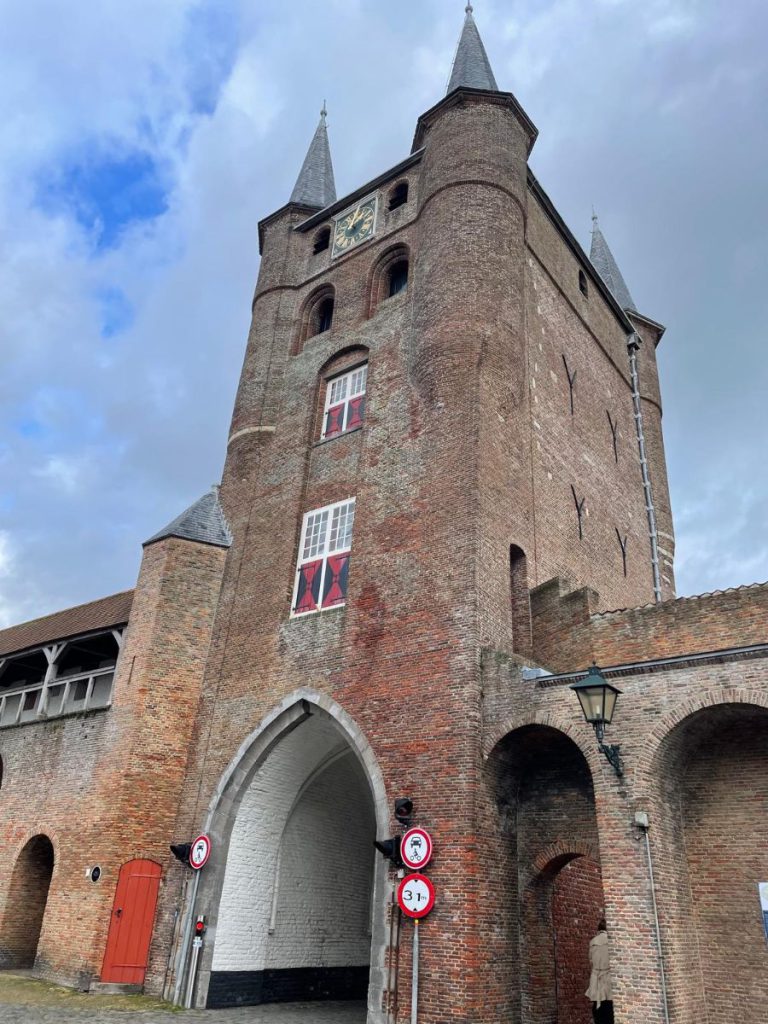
{"x": 142, "y": 141}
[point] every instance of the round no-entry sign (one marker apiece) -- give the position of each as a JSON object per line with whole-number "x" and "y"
{"x": 416, "y": 895}
{"x": 416, "y": 848}
{"x": 199, "y": 852}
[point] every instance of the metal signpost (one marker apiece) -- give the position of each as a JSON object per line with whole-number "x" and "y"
{"x": 416, "y": 897}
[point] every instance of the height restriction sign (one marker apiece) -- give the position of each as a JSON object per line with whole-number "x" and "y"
{"x": 416, "y": 895}
{"x": 416, "y": 848}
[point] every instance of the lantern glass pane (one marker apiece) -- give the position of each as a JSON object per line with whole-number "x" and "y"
{"x": 591, "y": 702}
{"x": 610, "y": 704}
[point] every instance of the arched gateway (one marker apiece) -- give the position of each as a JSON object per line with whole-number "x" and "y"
{"x": 293, "y": 894}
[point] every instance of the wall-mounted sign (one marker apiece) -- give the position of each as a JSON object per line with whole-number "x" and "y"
{"x": 199, "y": 852}
{"x": 416, "y": 848}
{"x": 416, "y": 896}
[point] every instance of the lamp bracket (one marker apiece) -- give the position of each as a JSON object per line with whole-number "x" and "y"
{"x": 613, "y": 757}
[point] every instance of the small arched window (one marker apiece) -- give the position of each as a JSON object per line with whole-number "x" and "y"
{"x": 389, "y": 276}
{"x": 583, "y": 286}
{"x": 322, "y": 240}
{"x": 316, "y": 316}
{"x": 398, "y": 277}
{"x": 399, "y": 195}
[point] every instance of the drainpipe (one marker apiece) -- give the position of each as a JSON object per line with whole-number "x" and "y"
{"x": 633, "y": 343}
{"x": 643, "y": 823}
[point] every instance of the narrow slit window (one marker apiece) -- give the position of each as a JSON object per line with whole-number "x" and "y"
{"x": 399, "y": 195}
{"x": 398, "y": 278}
{"x": 345, "y": 402}
{"x": 322, "y": 240}
{"x": 324, "y": 316}
{"x": 322, "y": 572}
{"x": 583, "y": 286}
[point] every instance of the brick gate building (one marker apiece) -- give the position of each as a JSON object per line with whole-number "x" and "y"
{"x": 445, "y": 470}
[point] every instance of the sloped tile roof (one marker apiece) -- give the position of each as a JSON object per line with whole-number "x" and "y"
{"x": 83, "y": 618}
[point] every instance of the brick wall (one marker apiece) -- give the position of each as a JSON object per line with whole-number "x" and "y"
{"x": 104, "y": 787}
{"x": 577, "y": 905}
{"x": 569, "y": 633}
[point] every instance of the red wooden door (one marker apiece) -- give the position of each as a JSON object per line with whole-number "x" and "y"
{"x": 130, "y": 930}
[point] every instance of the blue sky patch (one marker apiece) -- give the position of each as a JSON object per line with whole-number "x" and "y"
{"x": 116, "y": 311}
{"x": 106, "y": 193}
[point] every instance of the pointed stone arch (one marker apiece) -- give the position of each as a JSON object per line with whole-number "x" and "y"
{"x": 306, "y": 751}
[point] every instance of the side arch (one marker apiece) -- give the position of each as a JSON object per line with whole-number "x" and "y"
{"x": 645, "y": 773}
{"x": 26, "y": 902}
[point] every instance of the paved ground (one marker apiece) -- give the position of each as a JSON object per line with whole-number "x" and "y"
{"x": 305, "y": 1013}
{"x": 24, "y": 1001}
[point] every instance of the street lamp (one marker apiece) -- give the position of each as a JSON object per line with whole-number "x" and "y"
{"x": 598, "y": 700}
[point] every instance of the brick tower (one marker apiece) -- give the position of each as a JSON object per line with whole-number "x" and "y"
{"x": 440, "y": 409}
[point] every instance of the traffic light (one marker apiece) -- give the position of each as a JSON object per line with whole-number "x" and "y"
{"x": 200, "y": 926}
{"x": 390, "y": 848}
{"x": 404, "y": 810}
{"x": 181, "y": 851}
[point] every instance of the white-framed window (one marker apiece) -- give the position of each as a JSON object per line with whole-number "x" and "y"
{"x": 345, "y": 402}
{"x": 322, "y": 571}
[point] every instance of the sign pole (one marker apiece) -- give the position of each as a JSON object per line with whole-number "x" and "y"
{"x": 415, "y": 974}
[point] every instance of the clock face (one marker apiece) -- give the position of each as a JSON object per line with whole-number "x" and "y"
{"x": 354, "y": 226}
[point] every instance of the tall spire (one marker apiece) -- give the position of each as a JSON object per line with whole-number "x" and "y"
{"x": 315, "y": 185}
{"x": 606, "y": 266}
{"x": 471, "y": 67}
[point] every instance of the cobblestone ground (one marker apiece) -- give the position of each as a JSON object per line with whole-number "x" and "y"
{"x": 337, "y": 1013}
{"x": 305, "y": 1013}
{"x": 24, "y": 1001}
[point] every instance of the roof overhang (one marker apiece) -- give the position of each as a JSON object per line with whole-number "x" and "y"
{"x": 459, "y": 97}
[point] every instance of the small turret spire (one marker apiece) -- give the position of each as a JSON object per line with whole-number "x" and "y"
{"x": 471, "y": 67}
{"x": 607, "y": 267}
{"x": 315, "y": 185}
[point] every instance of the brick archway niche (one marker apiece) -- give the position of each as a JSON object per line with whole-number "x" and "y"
{"x": 293, "y": 893}
{"x": 549, "y": 877}
{"x": 708, "y": 803}
{"x": 25, "y": 905}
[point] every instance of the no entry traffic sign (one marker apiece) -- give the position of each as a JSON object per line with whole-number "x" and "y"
{"x": 199, "y": 852}
{"x": 416, "y": 848}
{"x": 416, "y": 896}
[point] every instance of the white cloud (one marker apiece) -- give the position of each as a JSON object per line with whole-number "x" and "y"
{"x": 106, "y": 438}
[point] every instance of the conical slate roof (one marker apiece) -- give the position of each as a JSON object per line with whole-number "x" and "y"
{"x": 471, "y": 67}
{"x": 606, "y": 266}
{"x": 315, "y": 185}
{"x": 203, "y": 522}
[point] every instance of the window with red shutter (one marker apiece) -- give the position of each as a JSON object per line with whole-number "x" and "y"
{"x": 322, "y": 571}
{"x": 345, "y": 402}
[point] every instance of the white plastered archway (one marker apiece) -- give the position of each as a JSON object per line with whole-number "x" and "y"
{"x": 304, "y": 741}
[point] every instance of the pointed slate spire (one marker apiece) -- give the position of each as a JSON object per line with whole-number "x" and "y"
{"x": 315, "y": 185}
{"x": 606, "y": 266}
{"x": 203, "y": 522}
{"x": 471, "y": 67}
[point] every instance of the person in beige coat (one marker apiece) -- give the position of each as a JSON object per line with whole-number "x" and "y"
{"x": 599, "y": 990}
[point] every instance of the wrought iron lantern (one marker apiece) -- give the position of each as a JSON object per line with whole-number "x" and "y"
{"x": 598, "y": 701}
